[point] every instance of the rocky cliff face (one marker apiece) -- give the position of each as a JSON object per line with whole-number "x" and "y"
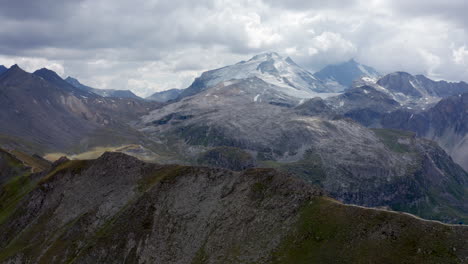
{"x": 119, "y": 209}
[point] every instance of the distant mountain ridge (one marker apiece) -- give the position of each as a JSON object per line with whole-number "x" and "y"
{"x": 344, "y": 74}
{"x": 419, "y": 86}
{"x": 43, "y": 109}
{"x": 102, "y": 92}
{"x": 165, "y": 96}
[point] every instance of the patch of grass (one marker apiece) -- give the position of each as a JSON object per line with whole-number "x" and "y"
{"x": 73, "y": 166}
{"x": 11, "y": 194}
{"x": 165, "y": 174}
{"x": 201, "y": 257}
{"x": 390, "y": 138}
{"x": 36, "y": 164}
{"x": 310, "y": 168}
{"x": 329, "y": 232}
{"x": 227, "y": 157}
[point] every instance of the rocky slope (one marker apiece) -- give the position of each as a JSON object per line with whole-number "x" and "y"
{"x": 365, "y": 104}
{"x": 446, "y": 123}
{"x": 351, "y": 162}
{"x": 43, "y": 109}
{"x": 117, "y": 209}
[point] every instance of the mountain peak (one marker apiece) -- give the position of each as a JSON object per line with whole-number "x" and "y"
{"x": 15, "y": 68}
{"x": 50, "y": 75}
{"x": 48, "y": 72}
{"x": 73, "y": 81}
{"x": 15, "y": 71}
{"x": 266, "y": 56}
{"x": 345, "y": 73}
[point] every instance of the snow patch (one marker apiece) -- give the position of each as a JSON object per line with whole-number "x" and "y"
{"x": 256, "y": 97}
{"x": 363, "y": 70}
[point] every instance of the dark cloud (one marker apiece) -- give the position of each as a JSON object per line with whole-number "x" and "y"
{"x": 37, "y": 9}
{"x": 451, "y": 10}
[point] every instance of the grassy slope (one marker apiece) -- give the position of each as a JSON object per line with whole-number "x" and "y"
{"x": 330, "y": 232}
{"x": 326, "y": 231}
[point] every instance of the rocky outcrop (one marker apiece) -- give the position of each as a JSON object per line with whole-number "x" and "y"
{"x": 118, "y": 209}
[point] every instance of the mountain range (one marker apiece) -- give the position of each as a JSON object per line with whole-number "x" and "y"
{"x": 260, "y": 147}
{"x": 102, "y": 92}
{"x": 47, "y": 112}
{"x": 263, "y": 127}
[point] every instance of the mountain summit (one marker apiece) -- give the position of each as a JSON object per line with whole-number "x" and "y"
{"x": 282, "y": 73}
{"x": 342, "y": 75}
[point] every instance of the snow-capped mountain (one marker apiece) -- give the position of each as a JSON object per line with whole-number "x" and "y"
{"x": 283, "y": 74}
{"x": 343, "y": 75}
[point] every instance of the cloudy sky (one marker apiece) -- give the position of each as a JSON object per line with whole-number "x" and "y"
{"x": 153, "y": 45}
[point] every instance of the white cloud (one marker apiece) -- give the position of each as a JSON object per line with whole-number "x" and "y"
{"x": 460, "y": 55}
{"x": 32, "y": 64}
{"x": 151, "y": 45}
